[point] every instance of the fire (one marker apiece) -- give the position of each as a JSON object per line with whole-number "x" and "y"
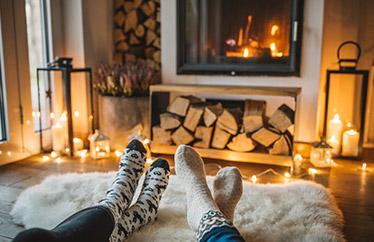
{"x": 246, "y": 53}
{"x": 274, "y": 30}
{"x": 274, "y": 50}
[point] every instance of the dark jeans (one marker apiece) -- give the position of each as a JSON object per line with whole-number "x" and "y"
{"x": 223, "y": 234}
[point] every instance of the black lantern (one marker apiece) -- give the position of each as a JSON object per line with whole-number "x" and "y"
{"x": 65, "y": 66}
{"x": 345, "y": 105}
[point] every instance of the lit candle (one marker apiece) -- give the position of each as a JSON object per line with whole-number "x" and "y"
{"x": 78, "y": 144}
{"x": 350, "y": 143}
{"x": 335, "y": 144}
{"x": 58, "y": 137}
{"x": 364, "y": 166}
{"x": 254, "y": 179}
{"x": 335, "y": 128}
{"x": 298, "y": 160}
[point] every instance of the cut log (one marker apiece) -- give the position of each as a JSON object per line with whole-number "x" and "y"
{"x": 151, "y": 36}
{"x": 131, "y": 21}
{"x": 180, "y": 104}
{"x": 119, "y": 18}
{"x": 150, "y": 23}
{"x": 157, "y": 56}
{"x": 193, "y": 117}
{"x": 182, "y": 136}
{"x": 280, "y": 147}
{"x": 282, "y": 118}
{"x": 254, "y": 114}
{"x": 161, "y": 136}
{"x": 157, "y": 43}
{"x": 133, "y": 40}
{"x": 220, "y": 138}
{"x": 229, "y": 120}
{"x": 265, "y": 137}
{"x": 211, "y": 113}
{"x": 122, "y": 46}
{"x": 169, "y": 121}
{"x": 128, "y": 6}
{"x": 241, "y": 143}
{"x": 137, "y": 3}
{"x": 204, "y": 134}
{"x": 118, "y": 35}
{"x": 139, "y": 31}
{"x": 148, "y": 8}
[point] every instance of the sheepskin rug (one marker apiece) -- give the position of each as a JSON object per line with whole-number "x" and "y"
{"x": 298, "y": 211}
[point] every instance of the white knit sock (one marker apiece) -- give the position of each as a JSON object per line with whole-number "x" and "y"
{"x": 189, "y": 167}
{"x": 227, "y": 190}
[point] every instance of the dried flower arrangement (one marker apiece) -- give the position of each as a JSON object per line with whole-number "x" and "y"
{"x": 129, "y": 79}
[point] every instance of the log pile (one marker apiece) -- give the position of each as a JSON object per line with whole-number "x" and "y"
{"x": 190, "y": 120}
{"x": 137, "y": 30}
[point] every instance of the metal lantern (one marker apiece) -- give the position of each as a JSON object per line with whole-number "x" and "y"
{"x": 345, "y": 108}
{"x": 321, "y": 154}
{"x": 99, "y": 145}
{"x": 65, "y": 66}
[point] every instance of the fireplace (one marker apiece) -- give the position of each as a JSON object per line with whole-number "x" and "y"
{"x": 239, "y": 37}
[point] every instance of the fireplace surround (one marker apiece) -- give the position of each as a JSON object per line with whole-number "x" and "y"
{"x": 261, "y": 38}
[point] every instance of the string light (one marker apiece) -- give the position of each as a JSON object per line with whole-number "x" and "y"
{"x": 149, "y": 161}
{"x": 118, "y": 153}
{"x": 76, "y": 114}
{"x": 254, "y": 179}
{"x": 312, "y": 171}
{"x": 1, "y": 152}
{"x": 52, "y": 115}
{"x": 45, "y": 158}
{"x": 28, "y": 122}
{"x": 58, "y": 160}
{"x": 146, "y": 141}
{"x": 9, "y": 153}
{"x": 67, "y": 150}
{"x": 53, "y": 154}
{"x": 287, "y": 175}
{"x": 364, "y": 167}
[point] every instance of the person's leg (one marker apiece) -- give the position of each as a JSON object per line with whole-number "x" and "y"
{"x": 145, "y": 210}
{"x": 203, "y": 214}
{"x": 95, "y": 224}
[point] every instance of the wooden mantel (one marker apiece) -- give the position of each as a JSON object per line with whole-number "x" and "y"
{"x": 238, "y": 90}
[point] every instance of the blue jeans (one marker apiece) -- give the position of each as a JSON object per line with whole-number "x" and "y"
{"x": 223, "y": 234}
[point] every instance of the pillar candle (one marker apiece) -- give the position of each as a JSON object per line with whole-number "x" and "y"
{"x": 335, "y": 144}
{"x": 58, "y": 137}
{"x": 335, "y": 128}
{"x": 350, "y": 143}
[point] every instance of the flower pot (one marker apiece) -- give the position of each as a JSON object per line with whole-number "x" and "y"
{"x": 119, "y": 116}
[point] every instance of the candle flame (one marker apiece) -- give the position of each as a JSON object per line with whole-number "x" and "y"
{"x": 336, "y": 118}
{"x": 118, "y": 153}
{"x": 364, "y": 166}
{"x": 274, "y": 29}
{"x": 254, "y": 179}
{"x": 246, "y": 52}
{"x": 53, "y": 154}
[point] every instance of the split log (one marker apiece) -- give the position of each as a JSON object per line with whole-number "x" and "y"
{"x": 139, "y": 31}
{"x": 265, "y": 137}
{"x": 241, "y": 143}
{"x": 211, "y": 113}
{"x": 280, "y": 147}
{"x": 128, "y": 6}
{"x": 161, "y": 136}
{"x": 220, "y": 138}
{"x": 119, "y": 18}
{"x": 157, "y": 43}
{"x": 150, "y": 23}
{"x": 157, "y": 56}
{"x": 193, "y": 117}
{"x": 182, "y": 136}
{"x": 204, "y": 134}
{"x": 118, "y": 35}
{"x": 282, "y": 118}
{"x": 180, "y": 104}
{"x": 148, "y": 8}
{"x": 254, "y": 114}
{"x": 137, "y": 3}
{"x": 169, "y": 121}
{"x": 122, "y": 46}
{"x": 131, "y": 21}
{"x": 151, "y": 36}
{"x": 133, "y": 40}
{"x": 229, "y": 120}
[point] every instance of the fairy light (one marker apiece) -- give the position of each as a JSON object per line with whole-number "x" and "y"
{"x": 58, "y": 160}
{"x": 146, "y": 141}
{"x": 118, "y": 153}
{"x": 254, "y": 179}
{"x": 9, "y": 153}
{"x": 67, "y": 150}
{"x": 45, "y": 158}
{"x": 287, "y": 175}
{"x": 76, "y": 114}
{"x": 364, "y": 167}
{"x": 149, "y": 161}
{"x": 53, "y": 154}
{"x": 312, "y": 171}
{"x": 52, "y": 115}
{"x": 28, "y": 122}
{"x": 82, "y": 154}
{"x": 1, "y": 152}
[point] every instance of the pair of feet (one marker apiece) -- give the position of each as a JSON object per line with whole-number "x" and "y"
{"x": 201, "y": 203}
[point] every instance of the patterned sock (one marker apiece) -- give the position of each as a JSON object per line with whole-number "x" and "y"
{"x": 145, "y": 209}
{"x": 211, "y": 220}
{"x": 190, "y": 168}
{"x": 119, "y": 196}
{"x": 227, "y": 190}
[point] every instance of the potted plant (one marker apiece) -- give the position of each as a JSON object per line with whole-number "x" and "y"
{"x": 124, "y": 99}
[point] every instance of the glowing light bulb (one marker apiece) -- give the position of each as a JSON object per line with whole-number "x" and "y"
{"x": 312, "y": 171}
{"x": 67, "y": 150}
{"x": 118, "y": 153}
{"x": 28, "y": 122}
{"x": 364, "y": 166}
{"x": 254, "y": 179}
{"x": 52, "y": 115}
{"x": 146, "y": 141}
{"x": 76, "y": 114}
{"x": 45, "y": 158}
{"x": 149, "y": 161}
{"x": 245, "y": 52}
{"x": 9, "y": 153}
{"x": 287, "y": 175}
{"x": 53, "y": 154}
{"x": 1, "y": 152}
{"x": 58, "y": 160}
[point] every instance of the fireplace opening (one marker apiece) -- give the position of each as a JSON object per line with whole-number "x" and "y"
{"x": 239, "y": 37}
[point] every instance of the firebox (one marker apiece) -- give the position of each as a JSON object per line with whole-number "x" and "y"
{"x": 239, "y": 37}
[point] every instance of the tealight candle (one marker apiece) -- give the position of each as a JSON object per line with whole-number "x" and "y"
{"x": 335, "y": 127}
{"x": 350, "y": 143}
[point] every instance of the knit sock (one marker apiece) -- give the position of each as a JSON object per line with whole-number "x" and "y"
{"x": 145, "y": 209}
{"x": 119, "y": 196}
{"x": 227, "y": 190}
{"x": 189, "y": 167}
{"x": 212, "y": 221}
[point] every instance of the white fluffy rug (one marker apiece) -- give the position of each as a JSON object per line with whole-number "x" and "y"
{"x": 298, "y": 211}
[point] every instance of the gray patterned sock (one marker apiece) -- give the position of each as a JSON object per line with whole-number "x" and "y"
{"x": 131, "y": 167}
{"x": 145, "y": 209}
{"x": 211, "y": 220}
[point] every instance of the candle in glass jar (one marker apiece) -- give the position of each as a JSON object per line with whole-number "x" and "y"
{"x": 350, "y": 143}
{"x": 335, "y": 144}
{"x": 335, "y": 128}
{"x": 58, "y": 137}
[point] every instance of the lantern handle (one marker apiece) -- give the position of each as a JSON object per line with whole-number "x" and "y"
{"x": 354, "y": 61}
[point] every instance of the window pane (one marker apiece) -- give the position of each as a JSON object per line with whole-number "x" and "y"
{"x": 2, "y": 104}
{"x": 38, "y": 57}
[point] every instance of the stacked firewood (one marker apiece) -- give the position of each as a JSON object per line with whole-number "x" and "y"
{"x": 190, "y": 120}
{"x": 137, "y": 30}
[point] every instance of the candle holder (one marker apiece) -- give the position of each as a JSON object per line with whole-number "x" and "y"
{"x": 346, "y": 145}
{"x": 65, "y": 66}
{"x": 99, "y": 145}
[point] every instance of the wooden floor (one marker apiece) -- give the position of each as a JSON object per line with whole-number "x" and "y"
{"x": 353, "y": 189}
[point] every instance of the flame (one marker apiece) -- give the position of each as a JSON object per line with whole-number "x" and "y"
{"x": 246, "y": 53}
{"x": 273, "y": 47}
{"x": 274, "y": 30}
